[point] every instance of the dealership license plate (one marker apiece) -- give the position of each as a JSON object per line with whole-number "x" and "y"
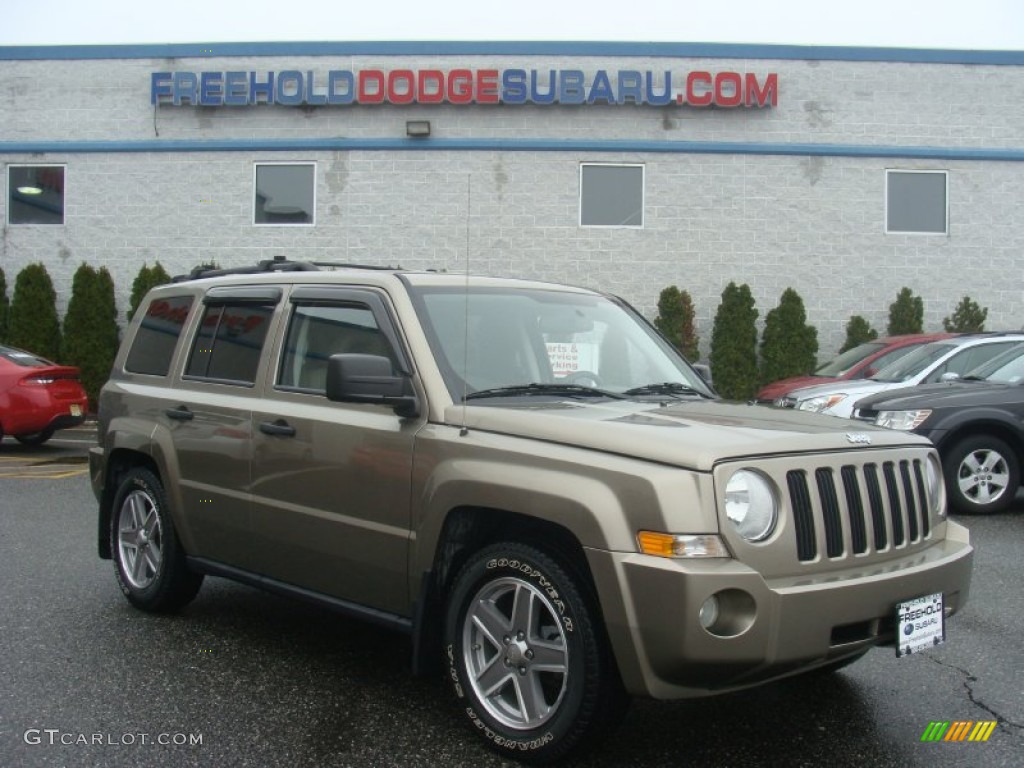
{"x": 76, "y": 409}
{"x": 920, "y": 624}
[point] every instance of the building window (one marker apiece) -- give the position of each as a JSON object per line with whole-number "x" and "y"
{"x": 611, "y": 195}
{"x": 285, "y": 194}
{"x": 35, "y": 194}
{"x": 916, "y": 202}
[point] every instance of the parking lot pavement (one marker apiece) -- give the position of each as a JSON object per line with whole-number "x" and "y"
{"x": 64, "y": 455}
{"x": 246, "y": 678}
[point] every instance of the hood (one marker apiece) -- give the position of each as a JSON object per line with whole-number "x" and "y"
{"x": 951, "y": 394}
{"x": 784, "y": 386}
{"x": 694, "y": 433}
{"x": 855, "y": 389}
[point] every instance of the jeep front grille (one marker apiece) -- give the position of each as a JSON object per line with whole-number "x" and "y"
{"x": 888, "y": 500}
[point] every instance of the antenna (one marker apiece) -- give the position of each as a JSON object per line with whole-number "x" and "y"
{"x": 465, "y": 324}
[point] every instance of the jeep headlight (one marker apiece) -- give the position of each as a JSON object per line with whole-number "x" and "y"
{"x": 821, "y": 402}
{"x": 750, "y": 505}
{"x": 905, "y": 420}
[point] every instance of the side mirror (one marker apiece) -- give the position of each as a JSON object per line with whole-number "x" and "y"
{"x": 353, "y": 378}
{"x": 949, "y": 376}
{"x": 704, "y": 371}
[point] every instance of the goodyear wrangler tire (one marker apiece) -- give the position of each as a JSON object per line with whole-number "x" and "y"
{"x": 148, "y": 559}
{"x": 529, "y": 665}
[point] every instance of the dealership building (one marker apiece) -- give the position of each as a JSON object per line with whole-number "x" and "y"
{"x": 843, "y": 173}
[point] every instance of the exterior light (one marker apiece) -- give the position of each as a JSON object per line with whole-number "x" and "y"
{"x": 417, "y": 128}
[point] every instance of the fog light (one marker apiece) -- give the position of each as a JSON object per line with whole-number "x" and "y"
{"x": 709, "y": 612}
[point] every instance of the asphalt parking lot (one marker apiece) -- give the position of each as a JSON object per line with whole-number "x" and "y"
{"x": 246, "y": 678}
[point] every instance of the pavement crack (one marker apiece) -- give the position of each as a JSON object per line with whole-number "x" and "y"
{"x": 969, "y": 679}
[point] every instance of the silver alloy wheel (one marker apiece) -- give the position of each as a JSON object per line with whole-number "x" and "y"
{"x": 515, "y": 652}
{"x": 983, "y": 476}
{"x": 139, "y": 539}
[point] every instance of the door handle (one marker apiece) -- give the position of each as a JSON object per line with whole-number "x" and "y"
{"x": 181, "y": 413}
{"x": 279, "y": 427}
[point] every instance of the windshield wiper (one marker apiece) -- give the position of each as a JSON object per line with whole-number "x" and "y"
{"x": 565, "y": 390}
{"x": 665, "y": 388}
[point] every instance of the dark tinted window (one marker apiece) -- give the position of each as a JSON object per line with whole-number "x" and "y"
{"x": 228, "y": 344}
{"x": 157, "y": 337}
{"x": 25, "y": 359}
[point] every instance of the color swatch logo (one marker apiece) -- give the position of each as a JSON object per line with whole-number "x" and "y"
{"x": 958, "y": 730}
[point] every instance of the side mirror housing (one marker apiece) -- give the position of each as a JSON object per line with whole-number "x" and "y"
{"x": 353, "y": 378}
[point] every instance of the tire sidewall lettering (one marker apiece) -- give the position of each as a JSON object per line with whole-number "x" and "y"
{"x": 539, "y": 579}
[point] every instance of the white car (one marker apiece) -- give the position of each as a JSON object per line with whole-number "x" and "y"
{"x": 939, "y": 361}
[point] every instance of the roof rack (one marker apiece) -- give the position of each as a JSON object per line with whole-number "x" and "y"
{"x": 277, "y": 264}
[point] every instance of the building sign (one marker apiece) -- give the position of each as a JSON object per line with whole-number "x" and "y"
{"x": 293, "y": 87}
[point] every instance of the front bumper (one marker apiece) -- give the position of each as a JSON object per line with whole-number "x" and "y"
{"x": 768, "y": 628}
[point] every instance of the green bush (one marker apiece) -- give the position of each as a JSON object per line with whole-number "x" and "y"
{"x": 676, "y": 321}
{"x": 5, "y": 307}
{"x": 90, "y": 328}
{"x": 33, "y": 324}
{"x": 734, "y": 344}
{"x": 906, "y": 314}
{"x": 148, "y": 277}
{"x": 858, "y": 331}
{"x": 789, "y": 346}
{"x": 968, "y": 317}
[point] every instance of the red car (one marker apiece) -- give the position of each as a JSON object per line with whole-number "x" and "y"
{"x": 858, "y": 363}
{"x": 38, "y": 397}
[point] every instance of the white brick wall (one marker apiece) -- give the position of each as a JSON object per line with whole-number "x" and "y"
{"x": 815, "y": 224}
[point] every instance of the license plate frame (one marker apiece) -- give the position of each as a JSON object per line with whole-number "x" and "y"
{"x": 76, "y": 409}
{"x": 920, "y": 624}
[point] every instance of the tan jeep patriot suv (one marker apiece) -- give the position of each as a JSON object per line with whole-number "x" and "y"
{"x": 524, "y": 477}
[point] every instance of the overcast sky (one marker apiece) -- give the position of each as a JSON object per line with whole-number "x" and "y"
{"x": 964, "y": 24}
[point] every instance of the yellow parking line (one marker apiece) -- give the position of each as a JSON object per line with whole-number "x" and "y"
{"x": 51, "y": 476}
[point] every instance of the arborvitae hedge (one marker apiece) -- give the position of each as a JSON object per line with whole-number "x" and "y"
{"x": 676, "y": 321}
{"x": 33, "y": 324}
{"x": 5, "y": 307}
{"x": 906, "y": 314}
{"x": 789, "y": 346}
{"x": 148, "y": 277}
{"x": 858, "y": 331}
{"x": 90, "y": 328}
{"x": 968, "y": 317}
{"x": 734, "y": 344}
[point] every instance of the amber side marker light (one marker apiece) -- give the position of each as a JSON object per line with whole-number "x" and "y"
{"x": 679, "y": 545}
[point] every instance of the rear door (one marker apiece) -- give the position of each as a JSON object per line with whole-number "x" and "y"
{"x": 331, "y": 481}
{"x": 209, "y": 417}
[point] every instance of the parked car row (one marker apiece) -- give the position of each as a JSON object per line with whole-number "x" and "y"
{"x": 38, "y": 397}
{"x": 964, "y": 393}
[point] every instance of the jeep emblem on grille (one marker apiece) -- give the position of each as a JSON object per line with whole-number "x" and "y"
{"x": 859, "y": 438}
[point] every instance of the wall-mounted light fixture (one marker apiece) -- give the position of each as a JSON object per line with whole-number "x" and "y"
{"x": 417, "y": 128}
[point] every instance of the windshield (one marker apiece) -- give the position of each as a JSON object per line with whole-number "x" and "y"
{"x": 913, "y": 363}
{"x": 535, "y": 342}
{"x": 25, "y": 359}
{"x": 839, "y": 366}
{"x": 1007, "y": 368}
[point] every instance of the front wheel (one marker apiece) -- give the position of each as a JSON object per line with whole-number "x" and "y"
{"x": 148, "y": 558}
{"x": 527, "y": 656}
{"x": 982, "y": 475}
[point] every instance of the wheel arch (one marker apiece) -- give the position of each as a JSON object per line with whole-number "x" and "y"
{"x": 120, "y": 461}
{"x": 997, "y": 428}
{"x": 468, "y": 529}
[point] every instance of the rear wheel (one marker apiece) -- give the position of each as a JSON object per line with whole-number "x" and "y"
{"x": 148, "y": 559}
{"x": 982, "y": 475}
{"x": 527, "y": 655}
{"x": 36, "y": 438}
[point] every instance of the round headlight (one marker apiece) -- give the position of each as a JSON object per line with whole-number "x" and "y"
{"x": 750, "y": 505}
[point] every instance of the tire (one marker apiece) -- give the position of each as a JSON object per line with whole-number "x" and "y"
{"x": 36, "y": 438}
{"x": 148, "y": 559}
{"x": 982, "y": 475}
{"x": 527, "y": 657}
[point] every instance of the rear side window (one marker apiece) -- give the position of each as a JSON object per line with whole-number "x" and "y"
{"x": 157, "y": 337}
{"x": 229, "y": 342}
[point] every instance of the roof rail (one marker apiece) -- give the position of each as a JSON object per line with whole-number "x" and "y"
{"x": 277, "y": 264}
